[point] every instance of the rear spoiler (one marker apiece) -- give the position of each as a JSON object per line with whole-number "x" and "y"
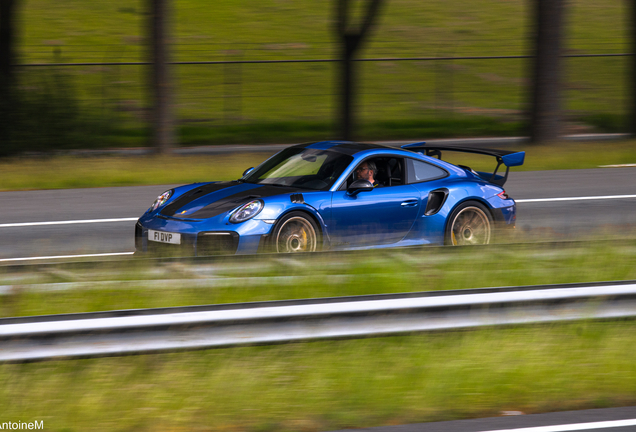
{"x": 504, "y": 157}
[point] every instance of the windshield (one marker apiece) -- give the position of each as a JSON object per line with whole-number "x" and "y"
{"x": 301, "y": 167}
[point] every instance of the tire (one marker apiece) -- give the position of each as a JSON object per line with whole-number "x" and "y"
{"x": 296, "y": 232}
{"x": 469, "y": 224}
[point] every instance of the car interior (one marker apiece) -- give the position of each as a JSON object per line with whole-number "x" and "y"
{"x": 390, "y": 172}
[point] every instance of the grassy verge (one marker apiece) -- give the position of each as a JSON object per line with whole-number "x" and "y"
{"x": 59, "y": 172}
{"x": 332, "y": 385}
{"x": 142, "y": 285}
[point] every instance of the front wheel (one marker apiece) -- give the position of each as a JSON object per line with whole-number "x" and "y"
{"x": 295, "y": 232}
{"x": 470, "y": 224}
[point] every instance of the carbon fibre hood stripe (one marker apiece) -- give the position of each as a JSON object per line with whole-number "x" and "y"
{"x": 196, "y": 193}
{"x": 220, "y": 206}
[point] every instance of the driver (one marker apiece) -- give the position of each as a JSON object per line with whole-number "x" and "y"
{"x": 367, "y": 171}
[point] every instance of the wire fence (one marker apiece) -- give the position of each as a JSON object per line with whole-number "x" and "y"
{"x": 238, "y": 90}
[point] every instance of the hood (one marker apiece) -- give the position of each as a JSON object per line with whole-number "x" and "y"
{"x": 212, "y": 199}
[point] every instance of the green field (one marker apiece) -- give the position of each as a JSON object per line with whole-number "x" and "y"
{"x": 323, "y": 386}
{"x": 64, "y": 171}
{"x": 295, "y": 101}
{"x": 142, "y": 284}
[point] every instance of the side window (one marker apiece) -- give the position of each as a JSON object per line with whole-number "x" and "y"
{"x": 389, "y": 171}
{"x": 419, "y": 171}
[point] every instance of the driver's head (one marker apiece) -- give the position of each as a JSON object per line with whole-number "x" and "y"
{"x": 366, "y": 171}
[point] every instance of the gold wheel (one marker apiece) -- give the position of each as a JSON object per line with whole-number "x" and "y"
{"x": 470, "y": 226}
{"x": 296, "y": 234}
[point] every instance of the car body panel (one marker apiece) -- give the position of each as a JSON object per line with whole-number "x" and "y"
{"x": 380, "y": 216}
{"x": 389, "y": 216}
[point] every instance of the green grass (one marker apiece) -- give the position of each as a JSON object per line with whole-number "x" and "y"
{"x": 332, "y": 385}
{"x": 75, "y": 172}
{"x": 59, "y": 172}
{"x": 106, "y": 134}
{"x": 302, "y": 131}
{"x": 271, "y": 278}
{"x": 287, "y": 102}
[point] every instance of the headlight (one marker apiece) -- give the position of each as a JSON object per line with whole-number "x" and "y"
{"x": 247, "y": 211}
{"x": 161, "y": 200}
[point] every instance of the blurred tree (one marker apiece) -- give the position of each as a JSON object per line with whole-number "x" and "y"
{"x": 161, "y": 90}
{"x": 8, "y": 10}
{"x": 631, "y": 115}
{"x": 7, "y": 34}
{"x": 351, "y": 38}
{"x": 546, "y": 111}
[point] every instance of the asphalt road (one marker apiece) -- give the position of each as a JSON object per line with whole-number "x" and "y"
{"x": 560, "y": 219}
{"x": 600, "y": 420}
{"x": 567, "y": 219}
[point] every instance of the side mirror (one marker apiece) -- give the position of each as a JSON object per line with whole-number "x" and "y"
{"x": 247, "y": 171}
{"x": 359, "y": 186}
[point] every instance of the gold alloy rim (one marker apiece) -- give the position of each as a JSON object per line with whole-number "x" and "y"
{"x": 471, "y": 226}
{"x": 296, "y": 235}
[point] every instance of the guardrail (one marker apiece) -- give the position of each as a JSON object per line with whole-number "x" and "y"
{"x": 197, "y": 327}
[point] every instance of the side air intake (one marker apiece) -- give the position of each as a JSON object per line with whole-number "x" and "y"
{"x": 436, "y": 200}
{"x": 297, "y": 198}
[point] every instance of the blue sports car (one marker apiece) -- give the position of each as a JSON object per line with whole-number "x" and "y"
{"x": 335, "y": 195}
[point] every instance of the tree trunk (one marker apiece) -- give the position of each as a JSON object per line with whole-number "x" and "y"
{"x": 350, "y": 42}
{"x": 631, "y": 114}
{"x": 347, "y": 91}
{"x": 162, "y": 107}
{"x": 8, "y": 103}
{"x": 7, "y": 51}
{"x": 546, "y": 115}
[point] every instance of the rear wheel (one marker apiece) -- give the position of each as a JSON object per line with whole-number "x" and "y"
{"x": 470, "y": 224}
{"x": 295, "y": 232}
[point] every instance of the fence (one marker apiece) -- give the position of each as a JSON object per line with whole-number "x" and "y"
{"x": 239, "y": 91}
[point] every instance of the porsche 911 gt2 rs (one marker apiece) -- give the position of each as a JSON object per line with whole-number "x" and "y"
{"x": 310, "y": 197}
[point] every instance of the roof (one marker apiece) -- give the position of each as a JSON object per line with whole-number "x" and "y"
{"x": 346, "y": 147}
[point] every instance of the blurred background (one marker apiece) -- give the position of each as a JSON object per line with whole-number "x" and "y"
{"x": 85, "y": 75}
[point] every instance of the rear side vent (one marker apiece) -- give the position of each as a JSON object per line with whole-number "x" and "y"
{"x": 436, "y": 200}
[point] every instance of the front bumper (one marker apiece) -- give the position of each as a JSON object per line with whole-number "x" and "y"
{"x": 245, "y": 238}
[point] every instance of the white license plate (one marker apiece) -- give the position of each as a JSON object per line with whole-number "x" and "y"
{"x": 164, "y": 237}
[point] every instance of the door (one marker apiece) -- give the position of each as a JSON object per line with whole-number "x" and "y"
{"x": 383, "y": 215}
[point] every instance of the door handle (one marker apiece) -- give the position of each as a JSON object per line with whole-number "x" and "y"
{"x": 409, "y": 203}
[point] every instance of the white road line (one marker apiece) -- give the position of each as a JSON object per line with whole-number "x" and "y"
{"x": 66, "y": 256}
{"x": 90, "y": 221}
{"x": 606, "y": 197}
{"x": 67, "y": 222}
{"x": 573, "y": 427}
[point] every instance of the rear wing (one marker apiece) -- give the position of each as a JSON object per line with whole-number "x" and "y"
{"x": 504, "y": 157}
